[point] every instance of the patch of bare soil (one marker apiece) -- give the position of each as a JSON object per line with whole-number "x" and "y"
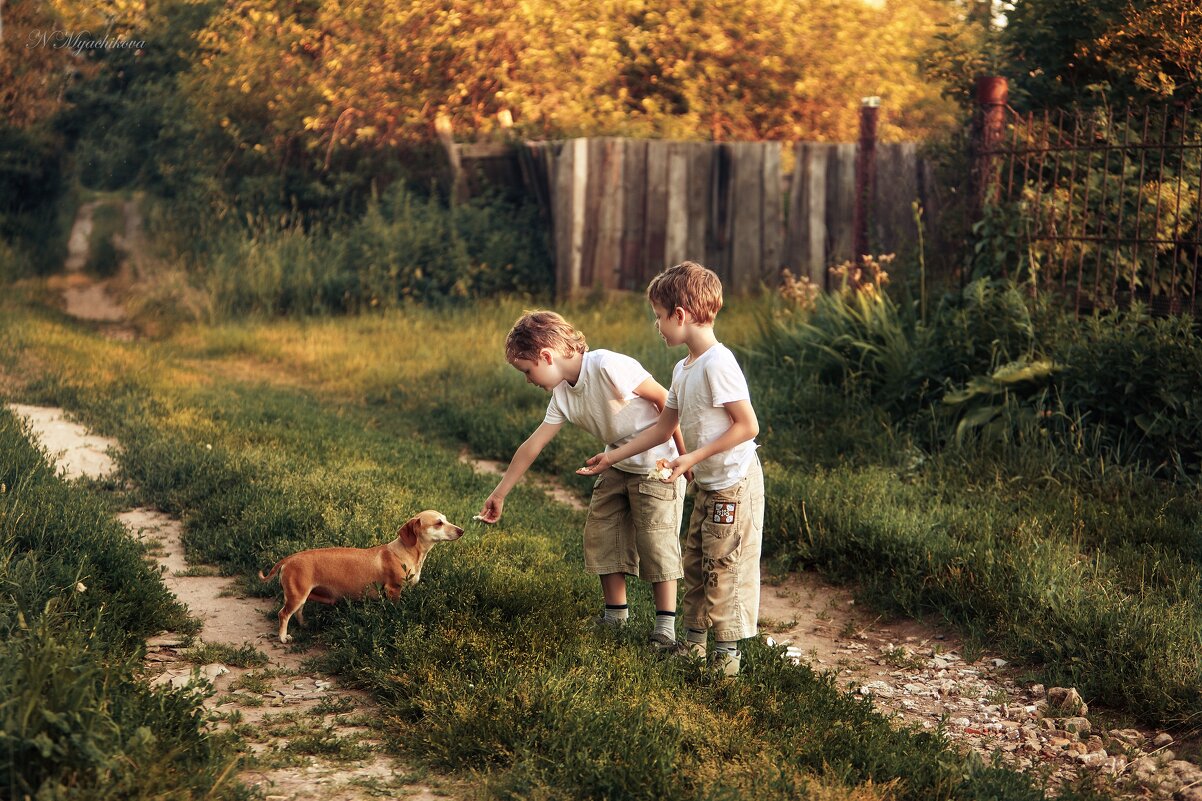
{"x": 311, "y": 740}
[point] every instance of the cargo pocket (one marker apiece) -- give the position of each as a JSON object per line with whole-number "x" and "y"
{"x": 657, "y": 506}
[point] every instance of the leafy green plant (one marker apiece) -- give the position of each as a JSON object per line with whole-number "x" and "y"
{"x": 990, "y": 405}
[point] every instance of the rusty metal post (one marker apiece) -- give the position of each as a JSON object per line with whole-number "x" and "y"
{"x": 870, "y": 108}
{"x": 992, "y": 94}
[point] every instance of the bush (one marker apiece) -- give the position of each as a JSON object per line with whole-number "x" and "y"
{"x": 404, "y": 247}
{"x": 1138, "y": 378}
{"x": 31, "y": 186}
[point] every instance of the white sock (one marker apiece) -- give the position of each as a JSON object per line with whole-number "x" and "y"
{"x": 665, "y": 624}
{"x": 616, "y": 614}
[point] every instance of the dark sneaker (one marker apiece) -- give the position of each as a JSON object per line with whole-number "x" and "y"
{"x": 664, "y": 644}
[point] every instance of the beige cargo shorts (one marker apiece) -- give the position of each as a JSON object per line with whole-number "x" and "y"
{"x": 722, "y": 559}
{"x": 633, "y": 527}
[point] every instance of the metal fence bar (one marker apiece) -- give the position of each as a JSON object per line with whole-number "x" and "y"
{"x": 1164, "y": 132}
{"x": 1069, "y": 175}
{"x": 1193, "y": 296}
{"x": 1101, "y": 215}
{"x": 1118, "y": 246}
{"x": 1093, "y": 132}
{"x": 1139, "y": 202}
{"x": 1072, "y": 187}
{"x": 1177, "y": 209}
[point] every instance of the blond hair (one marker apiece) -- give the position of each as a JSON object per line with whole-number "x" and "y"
{"x": 539, "y": 329}
{"x": 690, "y": 286}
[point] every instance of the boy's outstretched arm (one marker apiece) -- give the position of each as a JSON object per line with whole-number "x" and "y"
{"x": 523, "y": 457}
{"x": 653, "y": 391}
{"x": 743, "y": 426}
{"x": 657, "y": 434}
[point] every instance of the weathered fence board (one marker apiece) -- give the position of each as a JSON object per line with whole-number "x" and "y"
{"x": 890, "y": 213}
{"x": 656, "y": 191}
{"x": 772, "y": 215}
{"x": 634, "y": 251}
{"x": 743, "y": 268}
{"x": 700, "y": 164}
{"x": 676, "y": 246}
{"x": 621, "y": 210}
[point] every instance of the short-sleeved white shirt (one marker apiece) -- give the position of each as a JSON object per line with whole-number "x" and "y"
{"x": 699, "y": 391}
{"x": 603, "y": 403}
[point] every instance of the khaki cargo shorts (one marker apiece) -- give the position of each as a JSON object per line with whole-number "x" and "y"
{"x": 722, "y": 559}
{"x": 633, "y": 527}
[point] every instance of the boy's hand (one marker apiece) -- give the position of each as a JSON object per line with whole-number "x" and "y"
{"x": 597, "y": 464}
{"x": 683, "y": 466}
{"x": 491, "y": 511}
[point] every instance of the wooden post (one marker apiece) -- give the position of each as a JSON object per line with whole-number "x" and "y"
{"x": 442, "y": 126}
{"x": 865, "y": 175}
{"x": 992, "y": 94}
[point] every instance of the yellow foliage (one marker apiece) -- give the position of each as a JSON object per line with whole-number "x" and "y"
{"x": 381, "y": 72}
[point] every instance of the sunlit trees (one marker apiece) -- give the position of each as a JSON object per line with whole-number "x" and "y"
{"x": 326, "y": 75}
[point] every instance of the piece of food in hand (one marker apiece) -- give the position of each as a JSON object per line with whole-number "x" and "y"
{"x": 661, "y": 471}
{"x": 481, "y": 519}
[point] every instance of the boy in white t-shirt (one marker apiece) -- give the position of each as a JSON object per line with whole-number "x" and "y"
{"x": 633, "y": 524}
{"x": 710, "y": 401}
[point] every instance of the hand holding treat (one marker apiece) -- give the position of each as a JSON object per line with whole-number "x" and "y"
{"x": 662, "y": 471}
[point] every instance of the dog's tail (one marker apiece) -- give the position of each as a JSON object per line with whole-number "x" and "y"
{"x": 274, "y": 569}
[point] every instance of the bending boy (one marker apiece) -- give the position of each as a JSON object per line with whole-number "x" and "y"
{"x": 633, "y": 524}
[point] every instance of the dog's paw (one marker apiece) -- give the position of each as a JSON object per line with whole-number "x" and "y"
{"x": 285, "y": 638}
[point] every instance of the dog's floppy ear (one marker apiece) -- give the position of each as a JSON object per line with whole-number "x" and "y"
{"x": 407, "y": 533}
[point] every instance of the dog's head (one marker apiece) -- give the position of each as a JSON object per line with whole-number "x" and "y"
{"x": 427, "y": 528}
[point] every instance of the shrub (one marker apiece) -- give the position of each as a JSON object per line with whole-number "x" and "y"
{"x": 404, "y": 247}
{"x": 1138, "y": 378}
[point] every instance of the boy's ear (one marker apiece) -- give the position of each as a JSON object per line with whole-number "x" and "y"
{"x": 679, "y": 313}
{"x": 545, "y": 355}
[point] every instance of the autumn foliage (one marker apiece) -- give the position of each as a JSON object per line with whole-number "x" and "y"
{"x": 327, "y": 75}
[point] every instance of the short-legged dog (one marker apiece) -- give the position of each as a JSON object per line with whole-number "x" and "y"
{"x": 327, "y": 574}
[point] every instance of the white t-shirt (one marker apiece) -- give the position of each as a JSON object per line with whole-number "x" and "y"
{"x": 603, "y": 403}
{"x": 699, "y": 390}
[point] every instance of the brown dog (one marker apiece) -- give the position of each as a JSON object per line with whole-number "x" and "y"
{"x": 327, "y": 574}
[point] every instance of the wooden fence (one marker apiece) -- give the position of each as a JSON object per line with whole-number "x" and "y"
{"x": 621, "y": 210}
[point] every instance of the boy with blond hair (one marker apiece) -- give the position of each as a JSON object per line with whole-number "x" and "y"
{"x": 710, "y": 401}
{"x": 633, "y": 524}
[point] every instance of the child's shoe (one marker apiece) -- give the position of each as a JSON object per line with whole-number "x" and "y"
{"x": 728, "y": 662}
{"x": 664, "y": 644}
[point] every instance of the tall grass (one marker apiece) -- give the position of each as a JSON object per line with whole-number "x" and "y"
{"x": 404, "y": 247}
{"x": 341, "y": 430}
{"x": 77, "y": 719}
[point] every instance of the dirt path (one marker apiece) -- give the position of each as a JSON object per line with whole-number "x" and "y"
{"x": 84, "y": 296}
{"x": 285, "y": 711}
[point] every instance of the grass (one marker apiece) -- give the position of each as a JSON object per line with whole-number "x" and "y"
{"x": 245, "y": 656}
{"x": 268, "y": 438}
{"x": 77, "y": 721}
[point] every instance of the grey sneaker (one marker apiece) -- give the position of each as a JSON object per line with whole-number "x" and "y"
{"x": 728, "y": 663}
{"x": 602, "y": 622}
{"x": 663, "y": 643}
